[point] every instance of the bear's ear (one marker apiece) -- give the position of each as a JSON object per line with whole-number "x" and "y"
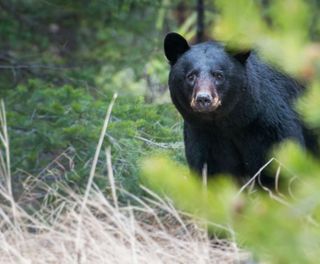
{"x": 174, "y": 46}
{"x": 242, "y": 56}
{"x": 239, "y": 55}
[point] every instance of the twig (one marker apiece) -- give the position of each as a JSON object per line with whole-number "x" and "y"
{"x": 91, "y": 175}
{"x": 254, "y": 177}
{"x": 175, "y": 145}
{"x": 111, "y": 178}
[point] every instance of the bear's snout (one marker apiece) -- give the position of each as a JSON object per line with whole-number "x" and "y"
{"x": 203, "y": 99}
{"x": 204, "y": 102}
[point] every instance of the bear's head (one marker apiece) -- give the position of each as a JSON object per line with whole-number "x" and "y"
{"x": 205, "y": 80}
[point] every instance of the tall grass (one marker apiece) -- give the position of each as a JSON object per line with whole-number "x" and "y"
{"x": 93, "y": 228}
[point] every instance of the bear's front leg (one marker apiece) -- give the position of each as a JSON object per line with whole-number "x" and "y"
{"x": 206, "y": 147}
{"x": 196, "y": 148}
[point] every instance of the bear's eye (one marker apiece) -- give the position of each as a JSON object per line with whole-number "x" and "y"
{"x": 218, "y": 75}
{"x": 191, "y": 77}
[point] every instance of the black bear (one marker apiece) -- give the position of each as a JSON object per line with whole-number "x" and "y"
{"x": 234, "y": 106}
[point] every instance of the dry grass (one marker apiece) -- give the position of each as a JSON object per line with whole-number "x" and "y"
{"x": 151, "y": 232}
{"x": 94, "y": 228}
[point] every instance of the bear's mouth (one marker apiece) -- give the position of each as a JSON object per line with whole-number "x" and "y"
{"x": 207, "y": 106}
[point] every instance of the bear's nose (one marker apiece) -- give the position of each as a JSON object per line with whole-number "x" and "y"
{"x": 203, "y": 99}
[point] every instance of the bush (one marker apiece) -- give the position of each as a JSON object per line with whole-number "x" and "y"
{"x": 44, "y": 119}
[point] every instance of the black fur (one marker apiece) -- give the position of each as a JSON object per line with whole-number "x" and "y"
{"x": 256, "y": 108}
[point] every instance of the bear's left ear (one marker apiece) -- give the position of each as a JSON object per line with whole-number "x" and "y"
{"x": 240, "y": 56}
{"x": 174, "y": 46}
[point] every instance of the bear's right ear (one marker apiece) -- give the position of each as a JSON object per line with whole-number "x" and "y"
{"x": 174, "y": 46}
{"x": 239, "y": 55}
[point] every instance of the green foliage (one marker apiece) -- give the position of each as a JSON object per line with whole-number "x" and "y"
{"x": 276, "y": 230}
{"x": 284, "y": 34}
{"x": 61, "y": 62}
{"x": 308, "y": 106}
{"x": 49, "y": 118}
{"x": 73, "y": 41}
{"x": 174, "y": 180}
